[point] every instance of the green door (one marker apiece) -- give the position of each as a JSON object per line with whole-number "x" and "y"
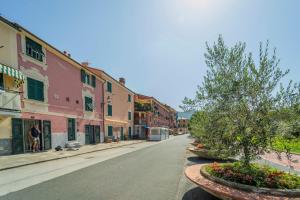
{"x": 71, "y": 129}
{"x": 17, "y": 136}
{"x": 122, "y": 134}
{"x": 47, "y": 134}
{"x": 97, "y": 134}
{"x": 129, "y": 132}
{"x": 90, "y": 137}
{"x": 110, "y": 131}
{"x": 87, "y": 134}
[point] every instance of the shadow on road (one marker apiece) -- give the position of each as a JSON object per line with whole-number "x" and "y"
{"x": 198, "y": 194}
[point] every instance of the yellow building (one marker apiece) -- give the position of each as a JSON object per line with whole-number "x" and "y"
{"x": 118, "y": 105}
{"x": 10, "y": 81}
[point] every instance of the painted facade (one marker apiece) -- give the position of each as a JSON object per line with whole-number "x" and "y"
{"x": 10, "y": 102}
{"x": 118, "y": 107}
{"x": 65, "y": 106}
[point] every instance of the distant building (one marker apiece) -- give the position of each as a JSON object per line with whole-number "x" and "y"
{"x": 149, "y": 112}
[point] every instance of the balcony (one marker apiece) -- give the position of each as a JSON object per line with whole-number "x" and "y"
{"x": 10, "y": 102}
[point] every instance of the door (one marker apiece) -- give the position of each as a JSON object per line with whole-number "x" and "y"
{"x": 17, "y": 136}
{"x": 122, "y": 134}
{"x": 129, "y": 132}
{"x": 110, "y": 131}
{"x": 97, "y": 134}
{"x": 47, "y": 134}
{"x": 87, "y": 136}
{"x": 90, "y": 134}
{"x": 71, "y": 129}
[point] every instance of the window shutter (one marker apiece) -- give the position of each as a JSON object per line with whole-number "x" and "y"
{"x": 40, "y": 90}
{"x": 109, "y": 87}
{"x": 93, "y": 81}
{"x": 129, "y": 115}
{"x": 109, "y": 110}
{"x": 88, "y": 79}
{"x": 35, "y": 89}
{"x": 129, "y": 98}
{"x": 82, "y": 75}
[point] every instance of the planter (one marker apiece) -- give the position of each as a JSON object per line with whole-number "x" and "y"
{"x": 204, "y": 153}
{"x": 228, "y": 190}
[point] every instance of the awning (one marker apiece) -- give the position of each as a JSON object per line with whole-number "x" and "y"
{"x": 19, "y": 77}
{"x": 11, "y": 72}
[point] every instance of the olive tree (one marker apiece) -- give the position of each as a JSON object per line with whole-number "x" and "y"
{"x": 238, "y": 95}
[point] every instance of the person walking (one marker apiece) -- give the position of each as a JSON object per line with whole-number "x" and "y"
{"x": 35, "y": 133}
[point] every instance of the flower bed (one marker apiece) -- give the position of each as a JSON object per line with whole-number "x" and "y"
{"x": 255, "y": 175}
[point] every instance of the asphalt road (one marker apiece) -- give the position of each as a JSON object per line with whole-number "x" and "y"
{"x": 155, "y": 172}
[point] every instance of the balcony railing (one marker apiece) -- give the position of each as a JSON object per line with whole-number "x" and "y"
{"x": 10, "y": 100}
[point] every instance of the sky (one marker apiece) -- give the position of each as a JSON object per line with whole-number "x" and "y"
{"x": 158, "y": 46}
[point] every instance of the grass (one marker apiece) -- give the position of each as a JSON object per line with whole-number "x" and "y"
{"x": 255, "y": 175}
{"x": 279, "y": 144}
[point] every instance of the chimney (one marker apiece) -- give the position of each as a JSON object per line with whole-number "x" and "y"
{"x": 86, "y": 64}
{"x": 69, "y": 55}
{"x": 65, "y": 52}
{"x": 122, "y": 80}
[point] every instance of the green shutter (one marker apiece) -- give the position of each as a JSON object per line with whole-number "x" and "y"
{"x": 129, "y": 98}
{"x": 88, "y": 79}
{"x": 35, "y": 89}
{"x": 110, "y": 131}
{"x": 82, "y": 72}
{"x": 109, "y": 110}
{"x": 93, "y": 81}
{"x": 129, "y": 115}
{"x": 109, "y": 87}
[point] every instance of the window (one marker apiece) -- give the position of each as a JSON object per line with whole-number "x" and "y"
{"x": 129, "y": 98}
{"x": 93, "y": 81}
{"x": 88, "y": 79}
{"x": 109, "y": 110}
{"x": 35, "y": 89}
{"x": 110, "y": 131}
{"x": 109, "y": 87}
{"x": 82, "y": 72}
{"x": 34, "y": 50}
{"x": 129, "y": 115}
{"x": 88, "y": 103}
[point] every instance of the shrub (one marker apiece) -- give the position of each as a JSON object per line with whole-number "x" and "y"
{"x": 254, "y": 175}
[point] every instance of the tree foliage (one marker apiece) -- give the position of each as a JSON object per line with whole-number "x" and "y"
{"x": 237, "y": 101}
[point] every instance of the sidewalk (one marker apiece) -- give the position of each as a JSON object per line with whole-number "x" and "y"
{"x": 272, "y": 157}
{"x": 13, "y": 161}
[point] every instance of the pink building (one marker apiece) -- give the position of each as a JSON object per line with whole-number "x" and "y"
{"x": 62, "y": 97}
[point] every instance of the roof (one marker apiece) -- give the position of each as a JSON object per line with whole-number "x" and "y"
{"x": 21, "y": 28}
{"x": 99, "y": 73}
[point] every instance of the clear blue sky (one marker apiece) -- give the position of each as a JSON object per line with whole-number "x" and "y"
{"x": 158, "y": 45}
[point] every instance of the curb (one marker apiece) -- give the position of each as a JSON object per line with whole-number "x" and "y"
{"x": 69, "y": 156}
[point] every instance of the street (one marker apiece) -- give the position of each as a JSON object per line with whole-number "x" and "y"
{"x": 152, "y": 172}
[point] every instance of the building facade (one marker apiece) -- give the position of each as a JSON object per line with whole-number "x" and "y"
{"x": 149, "y": 112}
{"x": 11, "y": 79}
{"x": 118, "y": 107}
{"x": 59, "y": 95}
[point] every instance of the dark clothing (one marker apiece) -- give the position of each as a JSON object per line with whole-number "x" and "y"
{"x": 34, "y": 132}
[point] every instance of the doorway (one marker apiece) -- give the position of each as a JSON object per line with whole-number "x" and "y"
{"x": 28, "y": 124}
{"x": 92, "y": 134}
{"x": 71, "y": 129}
